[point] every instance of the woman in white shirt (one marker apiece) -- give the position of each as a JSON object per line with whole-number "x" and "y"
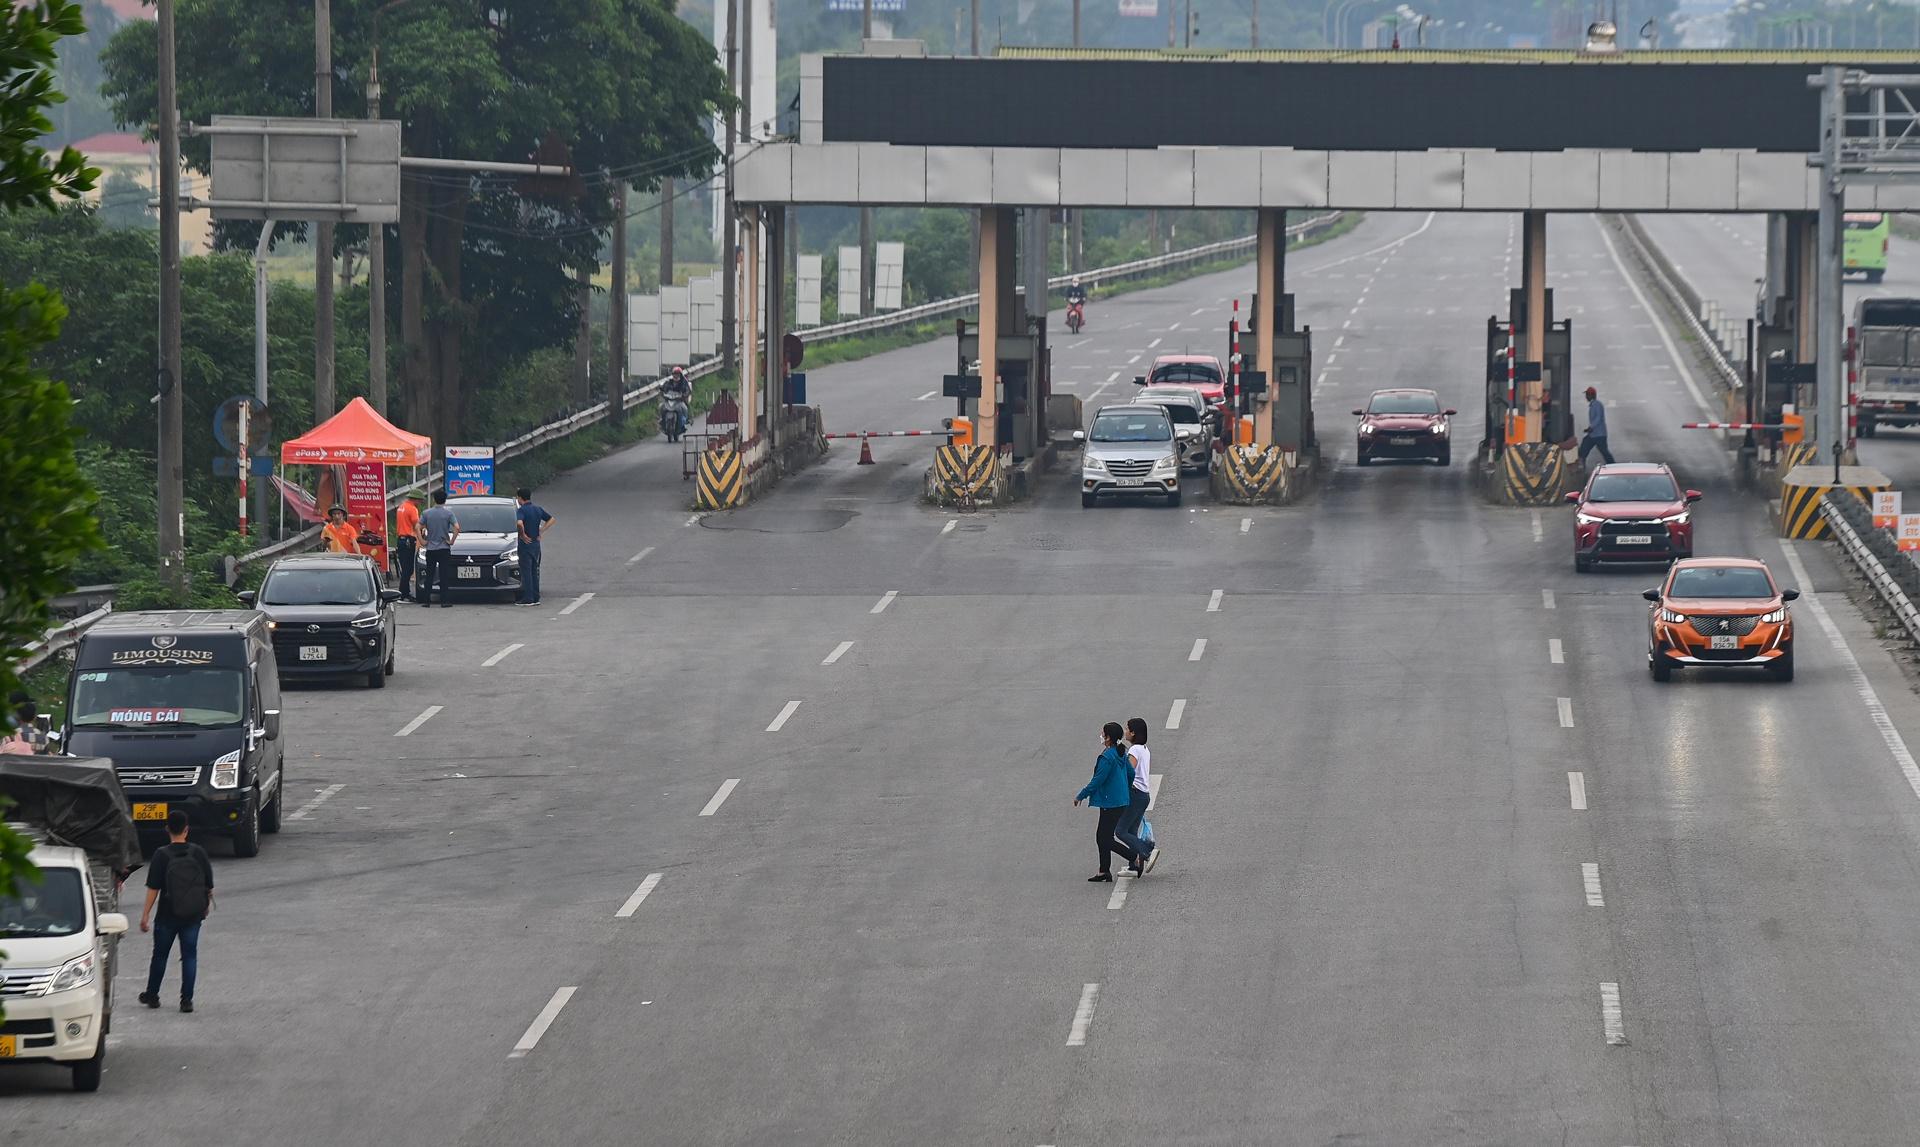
{"x": 1129, "y": 829}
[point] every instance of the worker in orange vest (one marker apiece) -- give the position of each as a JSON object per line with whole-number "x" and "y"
{"x": 406, "y": 527}
{"x": 341, "y": 537}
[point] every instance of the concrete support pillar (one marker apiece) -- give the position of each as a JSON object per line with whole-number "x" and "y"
{"x": 996, "y": 311}
{"x": 748, "y": 306}
{"x": 1803, "y": 243}
{"x": 1270, "y": 253}
{"x": 1033, "y": 270}
{"x": 1532, "y": 340}
{"x": 774, "y": 321}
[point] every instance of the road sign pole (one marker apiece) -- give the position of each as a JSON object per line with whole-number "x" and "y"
{"x": 171, "y": 500}
{"x": 1829, "y": 426}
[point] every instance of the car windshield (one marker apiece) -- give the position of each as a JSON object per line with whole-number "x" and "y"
{"x": 484, "y": 517}
{"x": 158, "y": 696}
{"x": 1721, "y": 581}
{"x": 1404, "y": 404}
{"x": 56, "y": 906}
{"x": 1185, "y": 372}
{"x": 339, "y": 585}
{"x": 1632, "y": 488}
{"x": 1130, "y": 427}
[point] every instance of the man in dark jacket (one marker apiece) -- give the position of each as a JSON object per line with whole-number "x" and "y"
{"x": 180, "y": 883}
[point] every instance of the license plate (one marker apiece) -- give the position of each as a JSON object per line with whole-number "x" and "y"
{"x": 1723, "y": 643}
{"x": 6, "y": 1047}
{"x": 1133, "y": 481}
{"x": 152, "y": 810}
{"x": 313, "y": 653}
{"x": 472, "y": 572}
{"x": 1401, "y": 441}
{"x": 1633, "y": 540}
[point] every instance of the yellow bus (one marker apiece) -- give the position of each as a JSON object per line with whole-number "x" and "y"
{"x": 1865, "y": 245}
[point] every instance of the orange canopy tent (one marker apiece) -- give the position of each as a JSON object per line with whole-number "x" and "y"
{"x": 357, "y": 434}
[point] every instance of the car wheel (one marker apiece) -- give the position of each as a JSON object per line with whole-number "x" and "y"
{"x": 1173, "y": 499}
{"x": 1782, "y": 667}
{"x": 1444, "y": 458}
{"x": 1364, "y": 460}
{"x": 391, "y": 658}
{"x": 1087, "y": 501}
{"x": 246, "y": 836}
{"x": 1868, "y": 424}
{"x": 1660, "y": 666}
{"x": 86, "y": 1073}
{"x": 378, "y": 678}
{"x": 1875, "y": 276}
{"x": 270, "y": 816}
{"x": 1582, "y": 564}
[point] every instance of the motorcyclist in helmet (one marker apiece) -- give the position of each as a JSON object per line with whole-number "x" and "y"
{"x": 677, "y": 385}
{"x": 1075, "y": 292}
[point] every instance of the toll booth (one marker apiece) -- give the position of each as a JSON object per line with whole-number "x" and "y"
{"x": 1288, "y": 378}
{"x": 1554, "y": 371}
{"x": 1024, "y": 367}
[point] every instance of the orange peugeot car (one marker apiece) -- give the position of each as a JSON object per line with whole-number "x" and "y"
{"x": 1720, "y": 611}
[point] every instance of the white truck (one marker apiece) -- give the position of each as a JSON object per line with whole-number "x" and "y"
{"x": 1886, "y": 355}
{"x": 59, "y": 934}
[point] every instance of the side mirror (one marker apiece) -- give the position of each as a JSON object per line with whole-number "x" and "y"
{"x": 389, "y": 596}
{"x": 1789, "y": 595}
{"x": 247, "y": 597}
{"x": 1573, "y": 497}
{"x": 1359, "y": 414}
{"x": 1079, "y": 436}
{"x": 111, "y": 924}
{"x": 1694, "y": 496}
{"x": 1139, "y": 380}
{"x": 1652, "y": 595}
{"x": 273, "y": 723}
{"x": 1449, "y": 411}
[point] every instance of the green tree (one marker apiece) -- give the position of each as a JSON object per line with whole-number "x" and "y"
{"x": 123, "y": 203}
{"x": 624, "y": 87}
{"x": 45, "y": 519}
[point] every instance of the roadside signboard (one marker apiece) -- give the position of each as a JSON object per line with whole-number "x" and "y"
{"x": 469, "y": 470}
{"x": 1909, "y": 536}
{"x": 367, "y": 507}
{"x": 1886, "y": 509}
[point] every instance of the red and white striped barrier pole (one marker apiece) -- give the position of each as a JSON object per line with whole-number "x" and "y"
{"x": 890, "y": 434}
{"x": 242, "y": 461}
{"x": 1853, "y": 409}
{"x": 1233, "y": 371}
{"x": 1513, "y": 420}
{"x": 1733, "y": 426}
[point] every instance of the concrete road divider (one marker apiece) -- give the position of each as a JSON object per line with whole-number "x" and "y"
{"x": 721, "y": 479}
{"x": 964, "y": 474}
{"x": 1530, "y": 474}
{"x": 1802, "y": 490}
{"x": 1252, "y": 475}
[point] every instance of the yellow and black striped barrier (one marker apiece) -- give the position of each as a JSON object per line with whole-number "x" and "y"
{"x": 1532, "y": 473}
{"x": 964, "y": 472}
{"x": 1799, "y": 455}
{"x": 1804, "y": 486}
{"x": 721, "y": 480}
{"x": 1249, "y": 475}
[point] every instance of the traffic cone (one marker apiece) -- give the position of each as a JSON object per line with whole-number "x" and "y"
{"x": 866, "y": 451}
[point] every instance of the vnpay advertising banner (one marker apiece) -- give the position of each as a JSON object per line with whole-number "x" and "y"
{"x": 469, "y": 470}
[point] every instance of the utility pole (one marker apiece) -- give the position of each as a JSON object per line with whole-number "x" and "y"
{"x": 617, "y": 310}
{"x": 1254, "y": 13}
{"x": 666, "y": 232}
{"x": 583, "y": 340}
{"x": 323, "y": 397}
{"x": 376, "y": 262}
{"x": 1074, "y": 234}
{"x": 866, "y": 213}
{"x": 171, "y": 499}
{"x": 730, "y": 237}
{"x": 976, "y": 30}
{"x": 1076, "y": 21}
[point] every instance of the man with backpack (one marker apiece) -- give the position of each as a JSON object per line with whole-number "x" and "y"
{"x": 180, "y": 880}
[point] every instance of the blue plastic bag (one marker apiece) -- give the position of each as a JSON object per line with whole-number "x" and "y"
{"x": 1146, "y": 833}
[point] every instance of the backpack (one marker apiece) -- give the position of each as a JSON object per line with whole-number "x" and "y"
{"x": 188, "y": 896}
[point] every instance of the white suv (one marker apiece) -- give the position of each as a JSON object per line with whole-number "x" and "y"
{"x": 1130, "y": 451}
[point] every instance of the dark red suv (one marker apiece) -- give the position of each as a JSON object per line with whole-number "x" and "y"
{"x": 1632, "y": 512}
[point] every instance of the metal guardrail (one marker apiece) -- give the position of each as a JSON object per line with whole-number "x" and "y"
{"x": 1869, "y": 564}
{"x": 1684, "y": 298}
{"x": 62, "y": 638}
{"x": 597, "y": 413}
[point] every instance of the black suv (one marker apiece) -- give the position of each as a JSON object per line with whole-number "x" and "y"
{"x": 330, "y": 618}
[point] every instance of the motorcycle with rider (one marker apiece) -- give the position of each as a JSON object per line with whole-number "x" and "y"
{"x": 676, "y": 396}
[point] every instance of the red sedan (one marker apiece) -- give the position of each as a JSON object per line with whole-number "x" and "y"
{"x": 1631, "y": 512}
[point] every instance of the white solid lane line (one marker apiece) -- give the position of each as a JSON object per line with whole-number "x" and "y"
{"x": 1213, "y": 602}
{"x": 639, "y": 894}
{"x": 641, "y": 556}
{"x": 1616, "y": 1027}
{"x": 785, "y": 712}
{"x": 1199, "y": 647}
{"x": 502, "y": 655}
{"x": 1876, "y": 712}
{"x": 576, "y": 603}
{"x": 1554, "y": 653}
{"x": 951, "y": 523}
{"x": 720, "y": 798}
{"x": 1121, "y": 882}
{"x": 1566, "y": 711}
{"x": 1546, "y": 599}
{"x": 839, "y": 651}
{"x": 1590, "y": 876}
{"x": 1174, "y": 714}
{"x": 1083, "y": 1015}
{"x": 1382, "y": 249}
{"x": 1659, "y": 327}
{"x": 886, "y": 599}
{"x": 541, "y": 1023}
{"x": 1577, "y": 791}
{"x": 318, "y": 799}
{"x": 407, "y": 729}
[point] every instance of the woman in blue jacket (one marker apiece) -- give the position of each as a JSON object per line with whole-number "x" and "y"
{"x": 1109, "y": 791}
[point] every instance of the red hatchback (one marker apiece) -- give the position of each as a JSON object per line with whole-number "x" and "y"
{"x": 1404, "y": 423}
{"x": 1632, "y": 512}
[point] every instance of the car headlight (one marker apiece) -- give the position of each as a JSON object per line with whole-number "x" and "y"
{"x": 75, "y": 973}
{"x": 1438, "y": 428}
{"x": 512, "y": 550}
{"x": 1776, "y": 617}
{"x": 1671, "y": 617}
{"x": 1587, "y": 519}
{"x": 365, "y": 622}
{"x": 1165, "y": 464}
{"x": 1679, "y": 519}
{"x": 1093, "y": 464}
{"x": 226, "y": 771}
{"x": 1366, "y": 428}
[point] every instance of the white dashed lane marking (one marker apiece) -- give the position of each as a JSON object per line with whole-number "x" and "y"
{"x": 1610, "y": 1018}
{"x": 719, "y": 798}
{"x": 1213, "y": 602}
{"x": 322, "y": 797}
{"x": 785, "y": 712}
{"x": 1565, "y": 705}
{"x": 541, "y": 1023}
{"x": 1577, "y": 791}
{"x": 1590, "y": 876}
{"x": 1199, "y": 649}
{"x": 641, "y": 556}
{"x": 1083, "y": 1015}
{"x": 639, "y": 894}
{"x": 502, "y": 655}
{"x": 839, "y": 651}
{"x": 1554, "y": 653}
{"x": 407, "y": 729}
{"x": 1174, "y": 714}
{"x": 886, "y": 600}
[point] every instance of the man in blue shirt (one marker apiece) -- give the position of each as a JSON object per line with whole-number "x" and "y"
{"x": 1596, "y": 436}
{"x": 533, "y": 522}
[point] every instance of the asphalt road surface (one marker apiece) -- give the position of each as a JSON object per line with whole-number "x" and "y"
{"x": 1724, "y": 256}
{"x": 769, "y": 841}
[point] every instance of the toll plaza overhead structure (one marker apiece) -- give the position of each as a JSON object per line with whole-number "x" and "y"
{"x": 1533, "y": 132}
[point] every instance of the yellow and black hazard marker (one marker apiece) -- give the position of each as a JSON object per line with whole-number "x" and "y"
{"x": 964, "y": 471}
{"x": 721, "y": 480}
{"x": 1532, "y": 473}
{"x": 1250, "y": 475}
{"x": 1801, "y": 454}
{"x": 1804, "y": 486}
